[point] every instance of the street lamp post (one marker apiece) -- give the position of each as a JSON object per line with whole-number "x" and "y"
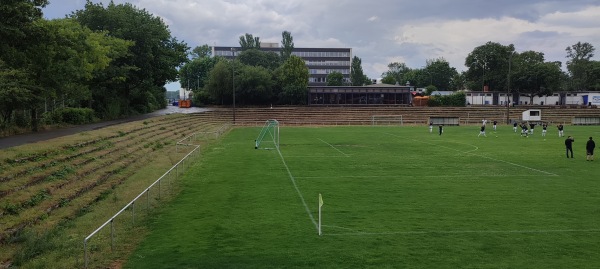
{"x": 508, "y": 90}
{"x": 233, "y": 50}
{"x": 483, "y": 76}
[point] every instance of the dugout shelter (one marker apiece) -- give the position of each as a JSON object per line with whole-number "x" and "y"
{"x": 376, "y": 94}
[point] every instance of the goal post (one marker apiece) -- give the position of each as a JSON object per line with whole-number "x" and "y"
{"x": 386, "y": 120}
{"x": 268, "y": 138}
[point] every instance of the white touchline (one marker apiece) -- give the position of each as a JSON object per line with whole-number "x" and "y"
{"x": 307, "y": 156}
{"x": 422, "y": 176}
{"x": 359, "y": 233}
{"x": 297, "y": 190}
{"x": 334, "y": 147}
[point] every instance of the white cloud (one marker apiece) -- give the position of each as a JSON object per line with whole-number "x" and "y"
{"x": 385, "y": 31}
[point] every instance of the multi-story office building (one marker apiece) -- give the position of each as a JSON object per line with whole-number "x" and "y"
{"x": 320, "y": 61}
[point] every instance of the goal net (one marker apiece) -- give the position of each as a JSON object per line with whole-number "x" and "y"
{"x": 386, "y": 120}
{"x": 269, "y": 136}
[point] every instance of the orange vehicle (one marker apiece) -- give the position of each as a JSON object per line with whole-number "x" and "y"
{"x": 420, "y": 100}
{"x": 185, "y": 103}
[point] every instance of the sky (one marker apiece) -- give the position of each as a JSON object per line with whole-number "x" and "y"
{"x": 378, "y": 31}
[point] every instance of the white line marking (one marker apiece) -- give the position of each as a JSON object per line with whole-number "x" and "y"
{"x": 359, "y": 233}
{"x": 346, "y": 155}
{"x": 422, "y": 176}
{"x": 298, "y": 190}
{"x": 490, "y": 158}
{"x": 316, "y": 156}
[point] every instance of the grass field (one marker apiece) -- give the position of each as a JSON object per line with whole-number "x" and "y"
{"x": 394, "y": 197}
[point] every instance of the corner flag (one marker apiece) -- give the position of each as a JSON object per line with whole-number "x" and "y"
{"x": 320, "y": 205}
{"x": 320, "y": 200}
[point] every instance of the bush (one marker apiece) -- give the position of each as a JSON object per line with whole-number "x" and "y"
{"x": 457, "y": 99}
{"x": 70, "y": 115}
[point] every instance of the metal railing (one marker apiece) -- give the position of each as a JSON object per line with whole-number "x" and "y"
{"x": 181, "y": 165}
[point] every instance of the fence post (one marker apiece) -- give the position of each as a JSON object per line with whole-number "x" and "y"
{"x": 112, "y": 235}
{"x": 85, "y": 253}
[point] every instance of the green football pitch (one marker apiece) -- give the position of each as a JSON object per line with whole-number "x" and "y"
{"x": 394, "y": 197}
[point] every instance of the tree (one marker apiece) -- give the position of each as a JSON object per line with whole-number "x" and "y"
{"x": 17, "y": 29}
{"x": 367, "y": 80}
{"x": 249, "y": 42}
{"x": 357, "y": 77}
{"x": 293, "y": 81}
{"x": 255, "y": 57}
{"x": 18, "y": 32}
{"x": 193, "y": 74}
{"x": 219, "y": 84}
{"x": 203, "y": 51}
{"x": 458, "y": 83}
{"x": 488, "y": 65}
{"x": 580, "y": 51}
{"x": 287, "y": 45}
{"x": 580, "y": 66}
{"x": 440, "y": 73}
{"x": 395, "y": 74}
{"x": 150, "y": 63}
{"x": 67, "y": 60}
{"x": 254, "y": 86}
{"x": 387, "y": 79}
{"x": 335, "y": 79}
{"x": 532, "y": 76}
{"x": 16, "y": 90}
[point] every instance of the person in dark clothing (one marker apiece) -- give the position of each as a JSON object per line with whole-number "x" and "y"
{"x": 515, "y": 126}
{"x": 589, "y": 148}
{"x": 495, "y": 123}
{"x": 560, "y": 130}
{"x": 544, "y": 129}
{"x": 441, "y": 129}
{"x": 482, "y": 131}
{"x": 569, "y": 145}
{"x": 531, "y": 127}
{"x": 524, "y": 129}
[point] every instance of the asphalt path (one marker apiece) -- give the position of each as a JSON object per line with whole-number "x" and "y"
{"x": 21, "y": 139}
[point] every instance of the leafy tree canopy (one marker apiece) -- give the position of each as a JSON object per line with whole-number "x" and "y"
{"x": 335, "y": 79}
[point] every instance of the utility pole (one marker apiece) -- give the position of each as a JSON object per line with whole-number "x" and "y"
{"x": 233, "y": 50}
{"x": 508, "y": 89}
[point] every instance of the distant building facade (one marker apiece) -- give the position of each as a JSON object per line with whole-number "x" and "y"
{"x": 320, "y": 61}
{"x": 557, "y": 98}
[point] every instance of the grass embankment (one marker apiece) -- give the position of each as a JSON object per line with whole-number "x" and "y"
{"x": 56, "y": 192}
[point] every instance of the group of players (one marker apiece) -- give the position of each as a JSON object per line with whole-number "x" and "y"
{"x": 526, "y": 131}
{"x": 529, "y": 131}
